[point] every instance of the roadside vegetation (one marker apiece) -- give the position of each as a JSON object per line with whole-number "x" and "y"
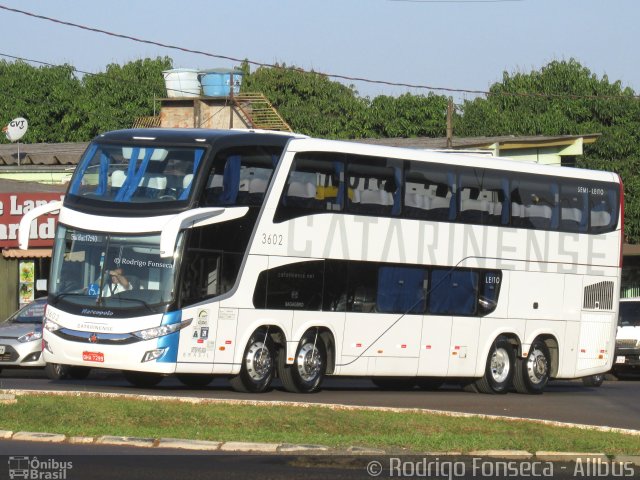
{"x": 409, "y": 432}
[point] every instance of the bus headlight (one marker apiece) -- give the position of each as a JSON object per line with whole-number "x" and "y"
{"x": 51, "y": 326}
{"x": 161, "y": 331}
{"x": 31, "y": 336}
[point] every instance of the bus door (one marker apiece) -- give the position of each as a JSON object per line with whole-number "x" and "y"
{"x": 451, "y": 327}
{"x": 384, "y": 318}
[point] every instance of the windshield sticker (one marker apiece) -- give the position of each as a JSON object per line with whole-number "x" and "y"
{"x": 93, "y": 290}
{"x": 87, "y": 238}
{"x": 141, "y": 263}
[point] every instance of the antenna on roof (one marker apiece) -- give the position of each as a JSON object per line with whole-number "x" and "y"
{"x": 15, "y": 131}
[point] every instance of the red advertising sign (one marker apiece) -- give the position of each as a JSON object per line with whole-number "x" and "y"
{"x": 13, "y": 206}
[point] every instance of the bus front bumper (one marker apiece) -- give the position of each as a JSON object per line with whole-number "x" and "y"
{"x": 154, "y": 356}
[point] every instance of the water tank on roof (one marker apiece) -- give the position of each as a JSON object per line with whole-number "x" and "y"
{"x": 218, "y": 83}
{"x": 182, "y": 82}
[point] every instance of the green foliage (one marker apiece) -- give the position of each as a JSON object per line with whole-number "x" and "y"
{"x": 114, "y": 99}
{"x": 310, "y": 103}
{"x": 314, "y": 105}
{"x": 60, "y": 107}
{"x": 46, "y": 97}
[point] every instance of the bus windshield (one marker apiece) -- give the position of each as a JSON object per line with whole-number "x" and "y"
{"x": 112, "y": 271}
{"x": 126, "y": 174}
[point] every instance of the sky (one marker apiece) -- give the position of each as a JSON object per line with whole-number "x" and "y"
{"x": 458, "y": 44}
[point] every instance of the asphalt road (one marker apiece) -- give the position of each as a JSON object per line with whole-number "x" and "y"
{"x": 614, "y": 404}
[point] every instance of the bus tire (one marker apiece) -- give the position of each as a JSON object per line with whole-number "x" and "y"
{"x": 593, "y": 380}
{"x": 142, "y": 379}
{"x": 307, "y": 371}
{"x": 56, "y": 371}
{"x": 79, "y": 373}
{"x": 194, "y": 379}
{"x": 258, "y": 365}
{"x": 498, "y": 371}
{"x": 532, "y": 373}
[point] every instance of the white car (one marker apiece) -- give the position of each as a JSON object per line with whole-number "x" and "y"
{"x": 21, "y": 337}
{"x": 628, "y": 337}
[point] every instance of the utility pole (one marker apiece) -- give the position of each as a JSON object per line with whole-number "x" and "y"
{"x": 450, "y": 123}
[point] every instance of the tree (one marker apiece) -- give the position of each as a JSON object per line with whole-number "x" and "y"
{"x": 114, "y": 99}
{"x": 309, "y": 102}
{"x": 46, "y": 96}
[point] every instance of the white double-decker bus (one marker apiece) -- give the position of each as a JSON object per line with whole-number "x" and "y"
{"x": 256, "y": 255}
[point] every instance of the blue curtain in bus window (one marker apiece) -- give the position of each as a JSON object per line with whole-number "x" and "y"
{"x": 103, "y": 175}
{"x": 196, "y": 163}
{"x": 400, "y": 290}
{"x": 131, "y": 183}
{"x": 584, "y": 220}
{"x": 453, "y": 292}
{"x": 82, "y": 168}
{"x": 231, "y": 181}
{"x": 130, "y": 172}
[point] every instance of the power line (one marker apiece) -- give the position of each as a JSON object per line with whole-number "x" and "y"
{"x": 456, "y": 1}
{"x": 329, "y": 75}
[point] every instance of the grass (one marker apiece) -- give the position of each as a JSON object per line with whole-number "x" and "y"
{"x": 391, "y": 431}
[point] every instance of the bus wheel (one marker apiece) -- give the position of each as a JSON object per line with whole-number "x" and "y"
{"x": 79, "y": 373}
{"x": 307, "y": 372}
{"x": 593, "y": 380}
{"x": 142, "y": 379}
{"x": 499, "y": 369}
{"x": 258, "y": 365}
{"x": 194, "y": 379}
{"x": 56, "y": 371}
{"x": 532, "y": 373}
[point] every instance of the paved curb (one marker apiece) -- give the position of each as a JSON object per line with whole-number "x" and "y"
{"x": 569, "y": 456}
{"x": 188, "y": 444}
{"x": 510, "y": 454}
{"x": 128, "y": 441}
{"x": 39, "y": 437}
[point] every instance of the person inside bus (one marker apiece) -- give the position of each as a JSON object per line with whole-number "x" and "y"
{"x": 117, "y": 283}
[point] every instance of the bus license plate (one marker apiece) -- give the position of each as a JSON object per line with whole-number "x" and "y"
{"x": 2, "y": 349}
{"x": 620, "y": 359}
{"x": 93, "y": 357}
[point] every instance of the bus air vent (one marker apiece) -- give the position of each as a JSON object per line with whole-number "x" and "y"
{"x": 598, "y": 296}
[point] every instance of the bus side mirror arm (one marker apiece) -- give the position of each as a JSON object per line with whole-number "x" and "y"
{"x": 198, "y": 217}
{"x": 25, "y": 223}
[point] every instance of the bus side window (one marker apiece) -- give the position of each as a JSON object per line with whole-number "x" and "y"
{"x": 314, "y": 185}
{"x": 401, "y": 290}
{"x": 489, "y": 291}
{"x": 296, "y": 286}
{"x": 453, "y": 292}
{"x": 603, "y": 208}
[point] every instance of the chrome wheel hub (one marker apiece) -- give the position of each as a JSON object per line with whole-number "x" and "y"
{"x": 500, "y": 365}
{"x": 258, "y": 361}
{"x": 308, "y": 362}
